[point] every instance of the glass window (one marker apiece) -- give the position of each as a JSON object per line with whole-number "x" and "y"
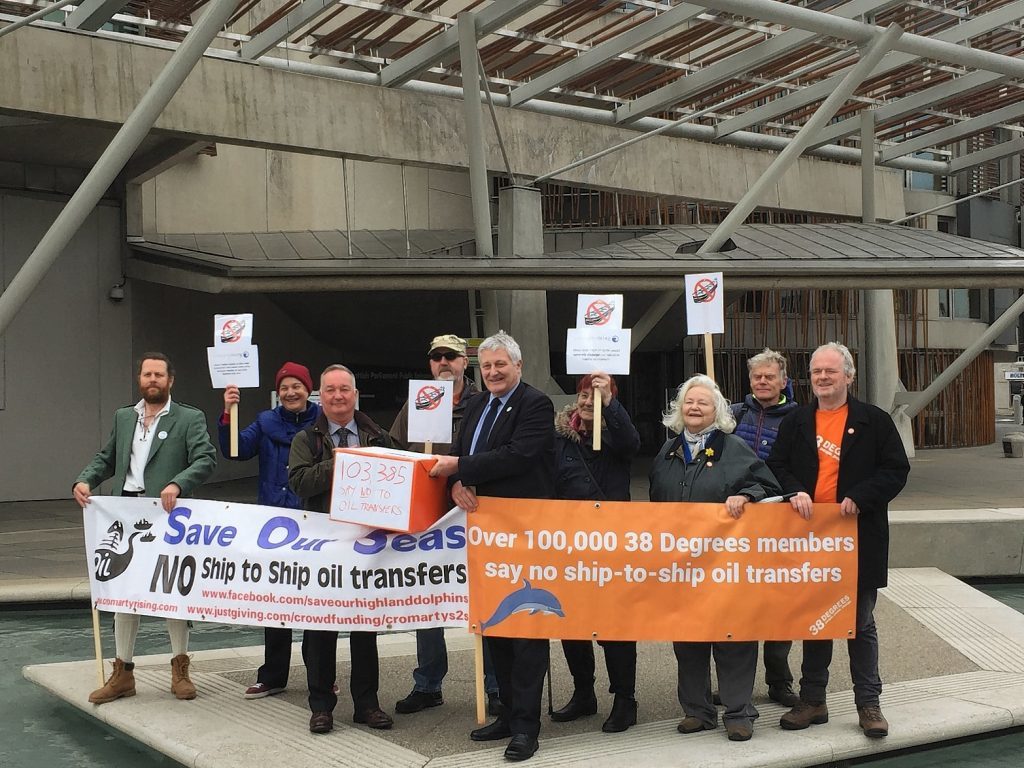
{"x": 960, "y": 303}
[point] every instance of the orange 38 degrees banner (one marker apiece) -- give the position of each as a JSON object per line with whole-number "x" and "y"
{"x": 656, "y": 571}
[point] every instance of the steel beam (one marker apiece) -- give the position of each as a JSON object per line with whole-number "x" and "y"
{"x": 869, "y": 59}
{"x": 280, "y": 30}
{"x": 162, "y": 157}
{"x": 650, "y": 319}
{"x": 41, "y": 13}
{"x": 604, "y": 52}
{"x": 473, "y": 112}
{"x": 735, "y": 65}
{"x": 953, "y": 132}
{"x": 812, "y": 93}
{"x": 916, "y": 401}
{"x": 916, "y": 102}
{"x": 113, "y": 159}
{"x": 953, "y": 203}
{"x": 999, "y": 151}
{"x": 437, "y": 48}
{"x": 920, "y": 46}
{"x": 93, "y": 14}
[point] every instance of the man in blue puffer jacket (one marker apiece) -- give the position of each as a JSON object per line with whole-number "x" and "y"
{"x": 757, "y": 422}
{"x": 270, "y": 439}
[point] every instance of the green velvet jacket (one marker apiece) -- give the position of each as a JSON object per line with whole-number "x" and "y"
{"x": 182, "y": 452}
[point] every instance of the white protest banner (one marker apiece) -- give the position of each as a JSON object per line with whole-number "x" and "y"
{"x": 588, "y": 350}
{"x": 272, "y": 567}
{"x": 232, "y": 330}
{"x": 239, "y": 365}
{"x": 430, "y": 411}
{"x": 705, "y": 303}
{"x": 386, "y": 488}
{"x": 599, "y": 311}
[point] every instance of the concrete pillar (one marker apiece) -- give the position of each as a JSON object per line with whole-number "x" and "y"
{"x": 880, "y": 371}
{"x": 524, "y": 314}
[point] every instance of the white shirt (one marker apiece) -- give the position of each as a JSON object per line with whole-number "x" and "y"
{"x": 142, "y": 442}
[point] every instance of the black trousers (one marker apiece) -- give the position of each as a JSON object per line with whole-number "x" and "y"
{"x": 277, "y": 657}
{"x": 520, "y": 666}
{"x": 619, "y": 659}
{"x": 319, "y": 652}
{"x": 776, "y": 662}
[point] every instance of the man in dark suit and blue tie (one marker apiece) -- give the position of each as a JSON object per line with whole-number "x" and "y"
{"x": 506, "y": 448}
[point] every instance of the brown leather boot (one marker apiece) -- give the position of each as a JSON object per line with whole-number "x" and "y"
{"x": 181, "y": 685}
{"x": 874, "y": 725}
{"x": 121, "y": 684}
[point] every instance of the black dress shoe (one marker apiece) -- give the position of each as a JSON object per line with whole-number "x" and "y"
{"x": 321, "y": 722}
{"x": 497, "y": 730}
{"x": 418, "y": 701}
{"x": 374, "y": 718}
{"x": 623, "y": 715}
{"x": 580, "y": 705}
{"x": 522, "y": 747}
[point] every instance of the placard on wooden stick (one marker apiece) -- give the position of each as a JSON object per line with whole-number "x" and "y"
{"x": 598, "y": 343}
{"x": 705, "y": 311}
{"x": 233, "y": 359}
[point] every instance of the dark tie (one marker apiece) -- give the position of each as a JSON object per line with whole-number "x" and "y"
{"x": 485, "y": 428}
{"x": 342, "y": 435}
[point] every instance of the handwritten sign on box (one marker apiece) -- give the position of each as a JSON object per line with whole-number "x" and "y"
{"x": 386, "y": 488}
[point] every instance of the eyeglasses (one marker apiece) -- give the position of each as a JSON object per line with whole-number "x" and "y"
{"x": 449, "y": 356}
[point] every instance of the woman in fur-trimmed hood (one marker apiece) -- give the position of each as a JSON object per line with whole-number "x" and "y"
{"x": 583, "y": 473}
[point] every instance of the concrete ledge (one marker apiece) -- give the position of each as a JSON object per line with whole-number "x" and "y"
{"x": 966, "y": 542}
{"x": 222, "y": 730}
{"x": 45, "y": 590}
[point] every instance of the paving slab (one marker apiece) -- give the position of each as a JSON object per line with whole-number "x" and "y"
{"x": 952, "y": 659}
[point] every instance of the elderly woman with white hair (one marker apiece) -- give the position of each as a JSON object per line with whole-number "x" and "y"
{"x": 706, "y": 463}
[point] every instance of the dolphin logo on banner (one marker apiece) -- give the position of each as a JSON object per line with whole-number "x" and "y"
{"x": 525, "y": 599}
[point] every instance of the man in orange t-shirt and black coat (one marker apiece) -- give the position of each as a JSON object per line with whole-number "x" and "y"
{"x": 841, "y": 450}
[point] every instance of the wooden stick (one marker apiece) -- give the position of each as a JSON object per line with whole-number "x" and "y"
{"x": 595, "y": 396}
{"x": 428, "y": 447}
{"x": 478, "y": 669}
{"x": 233, "y": 414}
{"x": 709, "y": 355}
{"x": 97, "y": 643}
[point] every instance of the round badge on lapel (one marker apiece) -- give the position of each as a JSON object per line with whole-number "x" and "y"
{"x": 162, "y": 434}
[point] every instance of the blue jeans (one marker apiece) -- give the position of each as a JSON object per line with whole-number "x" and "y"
{"x": 867, "y": 685}
{"x": 432, "y": 662}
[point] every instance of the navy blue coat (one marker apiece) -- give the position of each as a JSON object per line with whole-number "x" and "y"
{"x": 518, "y": 460}
{"x": 759, "y": 426}
{"x": 270, "y": 438}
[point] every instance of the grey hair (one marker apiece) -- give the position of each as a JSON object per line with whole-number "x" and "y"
{"x": 767, "y": 357}
{"x": 673, "y": 418}
{"x": 502, "y": 340}
{"x": 843, "y": 350}
{"x": 338, "y": 367}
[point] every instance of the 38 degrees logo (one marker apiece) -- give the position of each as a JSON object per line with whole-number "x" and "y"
{"x": 232, "y": 331}
{"x": 704, "y": 290}
{"x": 114, "y": 553}
{"x": 598, "y": 313}
{"x": 428, "y": 398}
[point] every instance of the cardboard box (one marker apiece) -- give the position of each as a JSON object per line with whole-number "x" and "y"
{"x": 387, "y": 488}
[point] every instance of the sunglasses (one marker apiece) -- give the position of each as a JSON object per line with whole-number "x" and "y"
{"x": 449, "y": 356}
